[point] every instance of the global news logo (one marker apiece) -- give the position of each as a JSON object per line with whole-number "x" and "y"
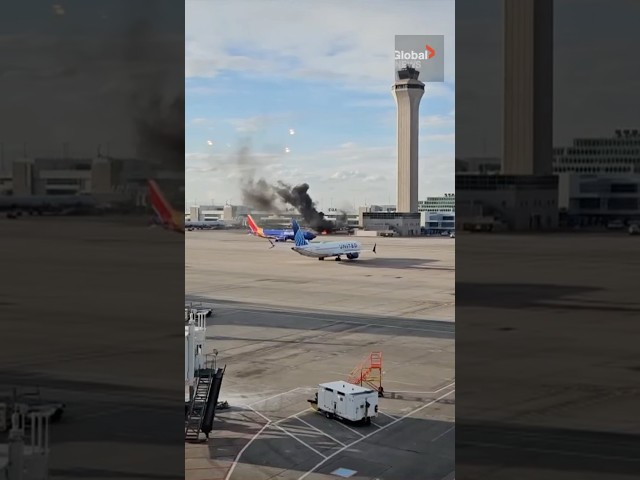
{"x": 412, "y": 58}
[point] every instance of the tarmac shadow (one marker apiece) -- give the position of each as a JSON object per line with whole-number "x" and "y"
{"x": 400, "y": 263}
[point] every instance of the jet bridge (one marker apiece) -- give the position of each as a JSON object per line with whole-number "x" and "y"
{"x": 195, "y": 334}
{"x": 26, "y": 458}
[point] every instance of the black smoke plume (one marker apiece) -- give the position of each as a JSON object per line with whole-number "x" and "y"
{"x": 262, "y": 195}
{"x": 299, "y": 198}
{"x": 259, "y": 194}
{"x": 157, "y": 107}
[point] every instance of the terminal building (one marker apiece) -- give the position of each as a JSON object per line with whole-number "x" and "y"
{"x": 118, "y": 179}
{"x": 599, "y": 179}
{"x": 438, "y": 214}
{"x": 596, "y": 200}
{"x": 618, "y": 154}
{"x": 506, "y": 202}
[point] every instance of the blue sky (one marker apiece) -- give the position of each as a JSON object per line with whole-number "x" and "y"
{"x": 325, "y": 72}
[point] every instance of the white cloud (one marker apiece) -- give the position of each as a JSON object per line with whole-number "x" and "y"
{"x": 370, "y": 175}
{"x": 200, "y": 121}
{"x": 439, "y": 137}
{"x": 354, "y": 49}
{"x": 436, "y": 121}
{"x": 374, "y": 103}
{"x": 257, "y": 123}
{"x": 346, "y": 175}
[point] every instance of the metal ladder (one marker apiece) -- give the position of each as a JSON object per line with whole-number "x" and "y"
{"x": 198, "y": 405}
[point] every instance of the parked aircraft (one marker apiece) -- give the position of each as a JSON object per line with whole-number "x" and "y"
{"x": 322, "y": 250}
{"x": 168, "y": 217}
{"x": 204, "y": 225}
{"x": 49, "y": 204}
{"x": 275, "y": 234}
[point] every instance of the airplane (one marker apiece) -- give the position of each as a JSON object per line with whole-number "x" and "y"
{"x": 49, "y": 204}
{"x": 168, "y": 217}
{"x": 277, "y": 235}
{"x": 322, "y": 250}
{"x": 204, "y": 225}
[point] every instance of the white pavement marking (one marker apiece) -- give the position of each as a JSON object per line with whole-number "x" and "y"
{"x": 443, "y": 433}
{"x": 387, "y": 415}
{"x": 301, "y": 441}
{"x": 292, "y": 416}
{"x": 373, "y": 433}
{"x": 273, "y": 396}
{"x": 349, "y": 428}
{"x": 275, "y": 424}
{"x": 237, "y": 459}
{"x": 319, "y": 431}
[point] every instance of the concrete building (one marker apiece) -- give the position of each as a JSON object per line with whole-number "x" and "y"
{"x": 340, "y": 217}
{"x": 617, "y": 154}
{"x": 437, "y": 214}
{"x": 596, "y": 200}
{"x": 404, "y": 224}
{"x": 22, "y": 177}
{"x": 225, "y": 213}
{"x": 443, "y": 204}
{"x": 61, "y": 176}
{"x": 518, "y": 202}
{"x": 528, "y": 87}
{"x": 479, "y": 165}
{"x": 407, "y": 92}
{"x": 438, "y": 223}
{"x": 375, "y": 209}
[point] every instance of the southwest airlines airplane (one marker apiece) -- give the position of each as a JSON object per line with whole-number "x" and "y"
{"x": 277, "y": 235}
{"x": 169, "y": 218}
{"x": 322, "y": 250}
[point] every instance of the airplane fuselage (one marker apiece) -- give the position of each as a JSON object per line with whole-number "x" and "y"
{"x": 203, "y": 225}
{"x": 321, "y": 250}
{"x": 281, "y": 235}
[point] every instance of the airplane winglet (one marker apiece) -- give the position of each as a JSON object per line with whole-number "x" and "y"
{"x": 374, "y": 247}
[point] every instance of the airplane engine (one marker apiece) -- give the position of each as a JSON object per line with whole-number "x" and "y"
{"x": 352, "y": 256}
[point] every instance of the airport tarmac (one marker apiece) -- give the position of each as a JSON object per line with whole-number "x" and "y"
{"x": 64, "y": 333}
{"x": 283, "y": 323}
{"x": 548, "y": 356}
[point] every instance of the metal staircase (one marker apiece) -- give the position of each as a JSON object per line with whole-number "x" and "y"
{"x": 369, "y": 372}
{"x": 196, "y": 412}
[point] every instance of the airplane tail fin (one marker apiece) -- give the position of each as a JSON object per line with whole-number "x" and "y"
{"x": 160, "y": 204}
{"x": 299, "y": 238}
{"x": 295, "y": 226}
{"x": 252, "y": 224}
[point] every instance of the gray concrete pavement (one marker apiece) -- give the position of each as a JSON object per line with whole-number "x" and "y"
{"x": 284, "y": 323}
{"x": 549, "y": 365}
{"x": 77, "y": 324}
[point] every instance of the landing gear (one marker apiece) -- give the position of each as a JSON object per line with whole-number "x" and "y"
{"x": 338, "y": 259}
{"x": 320, "y": 258}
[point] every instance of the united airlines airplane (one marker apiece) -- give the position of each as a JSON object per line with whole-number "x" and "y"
{"x": 322, "y": 250}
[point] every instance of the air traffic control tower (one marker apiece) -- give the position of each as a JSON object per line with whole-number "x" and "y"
{"x": 408, "y": 91}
